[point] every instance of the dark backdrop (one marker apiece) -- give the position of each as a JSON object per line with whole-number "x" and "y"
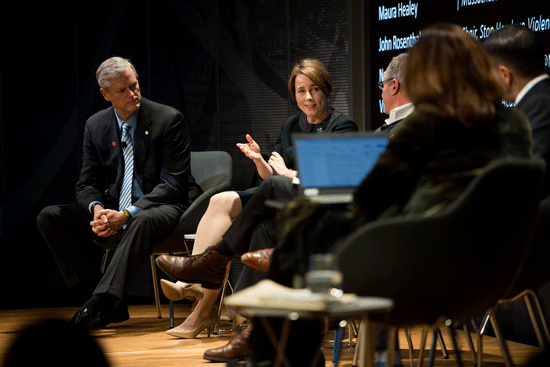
{"x": 223, "y": 63}
{"x": 392, "y": 28}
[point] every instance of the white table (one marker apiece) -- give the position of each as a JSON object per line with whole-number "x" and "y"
{"x": 269, "y": 299}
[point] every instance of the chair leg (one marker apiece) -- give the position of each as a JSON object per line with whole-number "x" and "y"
{"x": 337, "y": 348}
{"x": 501, "y": 342}
{"x": 364, "y": 346}
{"x": 542, "y": 342}
{"x": 352, "y": 332}
{"x": 171, "y": 309}
{"x": 442, "y": 344}
{"x": 479, "y": 349}
{"x": 366, "y": 352}
{"x": 439, "y": 338}
{"x": 104, "y": 260}
{"x": 470, "y": 343}
{"x": 422, "y": 346}
{"x": 474, "y": 325}
{"x": 480, "y": 332}
{"x": 358, "y": 346}
{"x": 541, "y": 315}
{"x": 431, "y": 356}
{"x": 455, "y": 344}
{"x": 409, "y": 342}
{"x": 225, "y": 282}
{"x": 155, "y": 285}
{"x": 392, "y": 336}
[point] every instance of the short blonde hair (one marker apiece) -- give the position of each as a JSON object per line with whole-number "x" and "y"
{"x": 314, "y": 70}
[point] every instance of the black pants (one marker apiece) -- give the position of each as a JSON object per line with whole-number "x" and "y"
{"x": 66, "y": 230}
{"x": 254, "y": 228}
{"x": 315, "y": 234}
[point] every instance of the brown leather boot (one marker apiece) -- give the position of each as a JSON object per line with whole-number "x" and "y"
{"x": 207, "y": 268}
{"x": 259, "y": 260}
{"x": 236, "y": 349}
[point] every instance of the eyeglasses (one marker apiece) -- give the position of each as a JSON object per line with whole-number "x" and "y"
{"x": 381, "y": 84}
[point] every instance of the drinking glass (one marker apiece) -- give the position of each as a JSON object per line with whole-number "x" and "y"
{"x": 323, "y": 275}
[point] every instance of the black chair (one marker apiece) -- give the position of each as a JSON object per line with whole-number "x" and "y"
{"x": 452, "y": 265}
{"x": 533, "y": 276}
{"x": 213, "y": 172}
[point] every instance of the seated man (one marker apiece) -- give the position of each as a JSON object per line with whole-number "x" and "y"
{"x": 396, "y": 103}
{"x": 519, "y": 55}
{"x": 135, "y": 183}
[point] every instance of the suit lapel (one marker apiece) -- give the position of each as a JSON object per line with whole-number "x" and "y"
{"x": 111, "y": 133}
{"x": 142, "y": 138}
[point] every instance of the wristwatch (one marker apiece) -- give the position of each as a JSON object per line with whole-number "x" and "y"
{"x": 127, "y": 214}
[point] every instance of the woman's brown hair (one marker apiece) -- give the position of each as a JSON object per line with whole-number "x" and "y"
{"x": 314, "y": 70}
{"x": 450, "y": 69}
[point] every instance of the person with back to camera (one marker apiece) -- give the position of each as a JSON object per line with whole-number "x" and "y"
{"x": 458, "y": 126}
{"x": 135, "y": 183}
{"x": 310, "y": 85}
{"x": 519, "y": 55}
{"x": 56, "y": 343}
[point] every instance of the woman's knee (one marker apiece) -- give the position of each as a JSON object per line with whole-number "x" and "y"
{"x": 276, "y": 187}
{"x": 225, "y": 202}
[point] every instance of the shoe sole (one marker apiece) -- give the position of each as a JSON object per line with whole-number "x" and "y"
{"x": 220, "y": 359}
{"x": 204, "y": 284}
{"x": 96, "y": 325}
{"x": 176, "y": 293}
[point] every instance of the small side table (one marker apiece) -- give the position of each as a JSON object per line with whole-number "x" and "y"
{"x": 269, "y": 299}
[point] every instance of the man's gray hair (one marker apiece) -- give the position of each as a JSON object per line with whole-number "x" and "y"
{"x": 110, "y": 69}
{"x": 396, "y": 68}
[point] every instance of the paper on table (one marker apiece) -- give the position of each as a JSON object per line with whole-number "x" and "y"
{"x": 270, "y": 294}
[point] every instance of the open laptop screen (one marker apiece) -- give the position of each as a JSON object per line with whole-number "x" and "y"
{"x": 336, "y": 160}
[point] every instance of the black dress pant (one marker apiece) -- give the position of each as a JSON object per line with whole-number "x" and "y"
{"x": 254, "y": 228}
{"x": 66, "y": 230}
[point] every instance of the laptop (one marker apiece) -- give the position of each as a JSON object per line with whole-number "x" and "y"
{"x": 332, "y": 166}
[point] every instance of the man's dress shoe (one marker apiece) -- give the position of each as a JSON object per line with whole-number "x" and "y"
{"x": 259, "y": 260}
{"x": 83, "y": 318}
{"x": 207, "y": 268}
{"x": 118, "y": 314}
{"x": 237, "y": 348}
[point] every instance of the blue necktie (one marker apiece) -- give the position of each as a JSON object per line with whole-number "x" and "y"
{"x": 127, "y": 149}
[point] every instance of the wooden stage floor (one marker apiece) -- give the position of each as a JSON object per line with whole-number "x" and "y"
{"x": 142, "y": 341}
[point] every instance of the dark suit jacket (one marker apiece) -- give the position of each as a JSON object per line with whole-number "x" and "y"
{"x": 387, "y": 128}
{"x": 161, "y": 158}
{"x": 536, "y": 105}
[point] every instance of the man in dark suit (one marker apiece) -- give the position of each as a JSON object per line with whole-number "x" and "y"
{"x": 134, "y": 185}
{"x": 519, "y": 55}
